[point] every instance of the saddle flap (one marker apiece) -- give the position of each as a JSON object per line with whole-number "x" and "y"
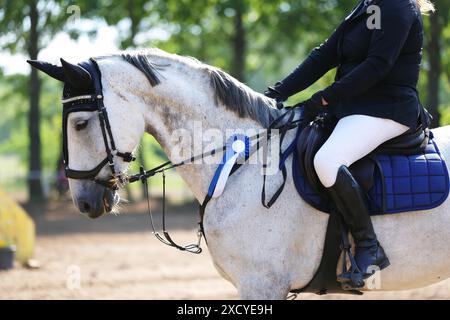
{"x": 309, "y": 142}
{"x": 363, "y": 171}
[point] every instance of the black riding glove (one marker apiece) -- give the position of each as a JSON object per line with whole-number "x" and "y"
{"x": 312, "y": 107}
{"x": 274, "y": 93}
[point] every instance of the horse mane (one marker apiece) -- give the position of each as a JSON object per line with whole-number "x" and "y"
{"x": 143, "y": 63}
{"x": 234, "y": 95}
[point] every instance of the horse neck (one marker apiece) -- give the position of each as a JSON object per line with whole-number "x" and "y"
{"x": 183, "y": 110}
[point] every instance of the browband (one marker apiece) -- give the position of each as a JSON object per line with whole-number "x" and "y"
{"x": 77, "y": 98}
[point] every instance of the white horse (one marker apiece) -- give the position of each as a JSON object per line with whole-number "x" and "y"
{"x": 263, "y": 253}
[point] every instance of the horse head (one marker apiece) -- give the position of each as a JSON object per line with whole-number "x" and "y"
{"x": 109, "y": 102}
{"x": 101, "y": 129}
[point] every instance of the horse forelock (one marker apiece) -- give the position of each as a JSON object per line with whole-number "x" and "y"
{"x": 228, "y": 91}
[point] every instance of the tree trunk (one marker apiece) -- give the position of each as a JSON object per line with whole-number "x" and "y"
{"x": 434, "y": 73}
{"x": 135, "y": 20}
{"x": 239, "y": 43}
{"x": 35, "y": 191}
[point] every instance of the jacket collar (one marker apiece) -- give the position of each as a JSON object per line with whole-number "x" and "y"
{"x": 360, "y": 10}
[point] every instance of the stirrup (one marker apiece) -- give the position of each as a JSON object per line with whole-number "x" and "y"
{"x": 350, "y": 279}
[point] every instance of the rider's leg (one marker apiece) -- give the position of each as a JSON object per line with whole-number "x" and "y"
{"x": 353, "y": 138}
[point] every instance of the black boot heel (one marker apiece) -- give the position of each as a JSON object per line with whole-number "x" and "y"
{"x": 370, "y": 257}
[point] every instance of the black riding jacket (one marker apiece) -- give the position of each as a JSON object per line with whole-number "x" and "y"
{"x": 378, "y": 69}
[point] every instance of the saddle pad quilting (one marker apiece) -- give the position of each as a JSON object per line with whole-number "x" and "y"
{"x": 417, "y": 182}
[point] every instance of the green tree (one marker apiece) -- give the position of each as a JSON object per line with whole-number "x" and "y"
{"x": 26, "y": 26}
{"x": 227, "y": 32}
{"x": 434, "y": 47}
{"x": 137, "y": 16}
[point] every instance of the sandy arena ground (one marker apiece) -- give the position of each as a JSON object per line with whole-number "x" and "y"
{"x": 118, "y": 258}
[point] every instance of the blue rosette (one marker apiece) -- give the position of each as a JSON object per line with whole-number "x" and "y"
{"x": 237, "y": 149}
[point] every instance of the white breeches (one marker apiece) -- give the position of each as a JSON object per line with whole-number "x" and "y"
{"x": 354, "y": 137}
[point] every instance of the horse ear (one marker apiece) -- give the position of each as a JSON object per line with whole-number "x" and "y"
{"x": 52, "y": 70}
{"x": 76, "y": 75}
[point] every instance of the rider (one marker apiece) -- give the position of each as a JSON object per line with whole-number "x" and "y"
{"x": 374, "y": 98}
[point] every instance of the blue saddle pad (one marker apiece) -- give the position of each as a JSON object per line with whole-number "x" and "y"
{"x": 401, "y": 183}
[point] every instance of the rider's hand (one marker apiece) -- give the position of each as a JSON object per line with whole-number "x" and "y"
{"x": 314, "y": 106}
{"x": 274, "y": 93}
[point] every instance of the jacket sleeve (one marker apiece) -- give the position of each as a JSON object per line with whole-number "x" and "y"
{"x": 385, "y": 46}
{"x": 320, "y": 61}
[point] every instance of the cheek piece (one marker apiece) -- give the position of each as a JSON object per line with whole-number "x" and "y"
{"x": 93, "y": 102}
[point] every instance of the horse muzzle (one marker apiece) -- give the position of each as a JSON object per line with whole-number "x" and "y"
{"x": 94, "y": 200}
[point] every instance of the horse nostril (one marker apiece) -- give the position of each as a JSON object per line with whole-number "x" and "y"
{"x": 84, "y": 206}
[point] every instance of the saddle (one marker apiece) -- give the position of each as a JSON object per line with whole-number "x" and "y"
{"x": 406, "y": 173}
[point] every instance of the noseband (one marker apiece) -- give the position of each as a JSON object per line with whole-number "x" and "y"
{"x": 94, "y": 103}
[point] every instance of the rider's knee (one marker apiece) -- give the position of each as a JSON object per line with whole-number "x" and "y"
{"x": 326, "y": 167}
{"x": 321, "y": 160}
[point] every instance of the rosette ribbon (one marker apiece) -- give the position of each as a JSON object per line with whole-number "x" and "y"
{"x": 237, "y": 149}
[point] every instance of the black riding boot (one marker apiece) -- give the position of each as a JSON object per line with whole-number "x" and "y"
{"x": 350, "y": 201}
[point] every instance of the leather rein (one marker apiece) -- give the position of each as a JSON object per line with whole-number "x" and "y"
{"x": 284, "y": 123}
{"x": 94, "y": 103}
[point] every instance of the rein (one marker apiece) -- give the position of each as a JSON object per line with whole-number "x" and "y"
{"x": 93, "y": 102}
{"x": 144, "y": 175}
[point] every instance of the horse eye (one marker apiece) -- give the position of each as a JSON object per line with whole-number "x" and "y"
{"x": 80, "y": 125}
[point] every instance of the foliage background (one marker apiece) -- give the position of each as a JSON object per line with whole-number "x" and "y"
{"x": 259, "y": 42}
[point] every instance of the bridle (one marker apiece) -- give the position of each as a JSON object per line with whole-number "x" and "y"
{"x": 94, "y": 103}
